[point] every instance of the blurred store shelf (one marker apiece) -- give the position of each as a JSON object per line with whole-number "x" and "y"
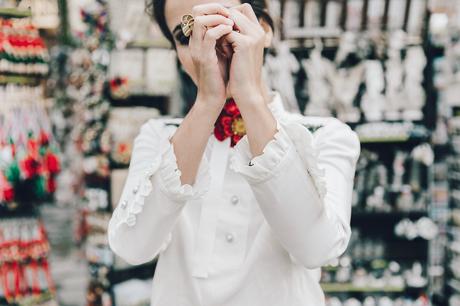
{"x": 14, "y": 13}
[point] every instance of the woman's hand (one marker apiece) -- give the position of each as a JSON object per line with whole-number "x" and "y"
{"x": 248, "y": 42}
{"x": 211, "y": 63}
{"x": 245, "y": 80}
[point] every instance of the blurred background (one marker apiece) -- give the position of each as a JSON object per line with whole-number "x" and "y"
{"x": 79, "y": 77}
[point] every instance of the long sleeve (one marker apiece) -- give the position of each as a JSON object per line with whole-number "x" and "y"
{"x": 152, "y": 198}
{"x": 303, "y": 183}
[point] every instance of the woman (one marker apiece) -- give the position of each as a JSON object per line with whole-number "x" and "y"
{"x": 242, "y": 201}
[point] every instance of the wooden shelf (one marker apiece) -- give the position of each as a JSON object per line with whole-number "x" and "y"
{"x": 14, "y": 13}
{"x": 414, "y": 133}
{"x": 159, "y": 43}
{"x": 348, "y": 287}
{"x": 396, "y": 215}
{"x": 19, "y": 79}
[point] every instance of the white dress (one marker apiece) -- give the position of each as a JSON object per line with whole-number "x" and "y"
{"x": 250, "y": 232}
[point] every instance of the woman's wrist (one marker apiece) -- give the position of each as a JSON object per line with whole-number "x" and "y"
{"x": 253, "y": 101}
{"x": 207, "y": 110}
{"x": 207, "y": 103}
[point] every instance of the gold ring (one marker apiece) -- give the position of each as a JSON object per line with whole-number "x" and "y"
{"x": 187, "y": 24}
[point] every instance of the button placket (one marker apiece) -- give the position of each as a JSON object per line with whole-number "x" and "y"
{"x": 230, "y": 247}
{"x": 229, "y": 237}
{"x": 136, "y": 189}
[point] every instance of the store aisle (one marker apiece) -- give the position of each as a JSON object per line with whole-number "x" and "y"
{"x": 68, "y": 264}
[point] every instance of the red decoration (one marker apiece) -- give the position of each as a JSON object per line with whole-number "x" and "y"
{"x": 6, "y": 191}
{"x": 8, "y": 194}
{"x": 51, "y": 185}
{"x": 230, "y": 123}
{"x": 119, "y": 87}
{"x": 30, "y": 167}
{"x": 23, "y": 259}
{"x": 43, "y": 138}
{"x": 122, "y": 147}
{"x": 52, "y": 163}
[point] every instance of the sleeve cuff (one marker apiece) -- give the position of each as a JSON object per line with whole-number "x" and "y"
{"x": 264, "y": 166}
{"x": 280, "y": 150}
{"x": 171, "y": 184}
{"x": 159, "y": 167}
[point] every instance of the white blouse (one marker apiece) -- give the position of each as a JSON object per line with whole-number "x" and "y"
{"x": 251, "y": 231}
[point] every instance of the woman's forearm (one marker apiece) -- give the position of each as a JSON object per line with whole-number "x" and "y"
{"x": 259, "y": 122}
{"x": 191, "y": 138}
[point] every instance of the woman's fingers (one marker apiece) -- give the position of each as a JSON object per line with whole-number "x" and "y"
{"x": 237, "y": 40}
{"x": 204, "y": 21}
{"x": 201, "y": 24}
{"x": 244, "y": 24}
{"x": 202, "y": 10}
{"x": 247, "y": 10}
{"x": 226, "y": 47}
{"x": 212, "y": 20}
{"x": 210, "y": 8}
{"x": 212, "y": 35}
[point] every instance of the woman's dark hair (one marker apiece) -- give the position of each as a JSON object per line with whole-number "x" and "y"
{"x": 156, "y": 9}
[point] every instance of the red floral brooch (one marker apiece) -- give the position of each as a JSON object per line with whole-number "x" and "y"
{"x": 230, "y": 123}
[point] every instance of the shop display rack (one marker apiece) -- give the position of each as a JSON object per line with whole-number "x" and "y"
{"x": 374, "y": 225}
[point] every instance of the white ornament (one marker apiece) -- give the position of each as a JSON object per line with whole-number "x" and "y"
{"x": 280, "y": 69}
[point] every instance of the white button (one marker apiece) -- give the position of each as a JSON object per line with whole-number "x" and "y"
{"x": 124, "y": 204}
{"x": 136, "y": 189}
{"x": 234, "y": 200}
{"x": 229, "y": 237}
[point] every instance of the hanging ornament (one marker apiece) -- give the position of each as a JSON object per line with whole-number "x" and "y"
{"x": 29, "y": 167}
{"x": 7, "y": 190}
{"x": 51, "y": 185}
{"x": 51, "y": 163}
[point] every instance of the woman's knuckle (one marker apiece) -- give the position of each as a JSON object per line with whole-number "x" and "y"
{"x": 198, "y": 20}
{"x": 196, "y": 9}
{"x": 210, "y": 35}
{"x": 195, "y": 55}
{"x": 219, "y": 6}
{"x": 247, "y": 5}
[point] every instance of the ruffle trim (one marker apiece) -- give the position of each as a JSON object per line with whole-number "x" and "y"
{"x": 170, "y": 183}
{"x": 262, "y": 167}
{"x": 140, "y": 191}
